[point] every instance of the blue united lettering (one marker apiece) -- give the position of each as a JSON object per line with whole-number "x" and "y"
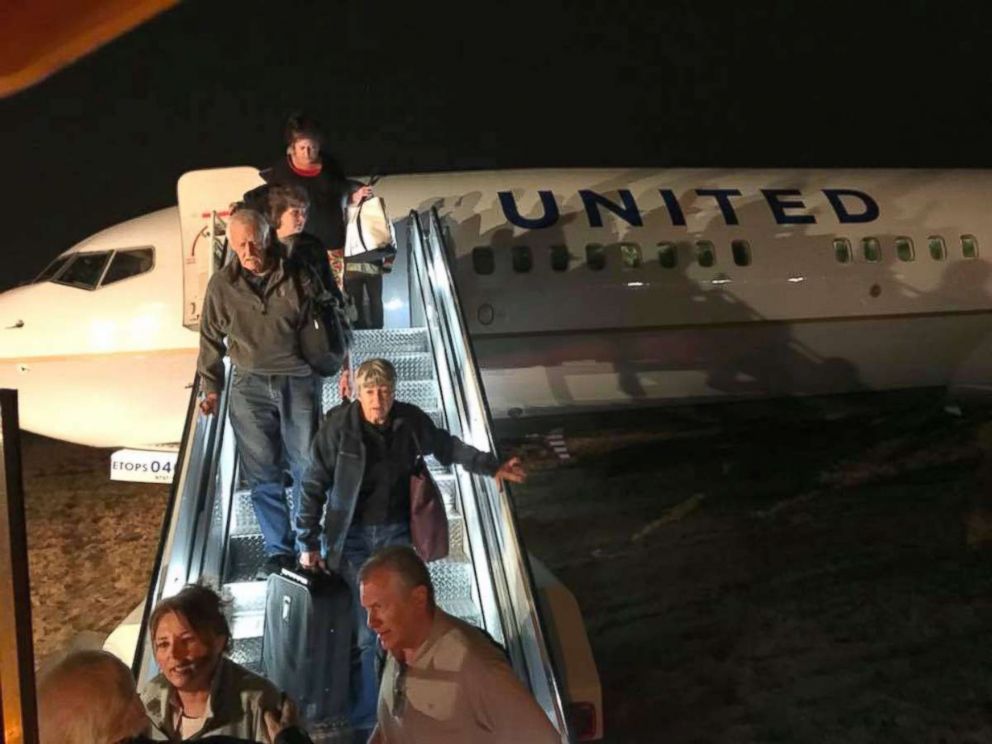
{"x": 785, "y": 206}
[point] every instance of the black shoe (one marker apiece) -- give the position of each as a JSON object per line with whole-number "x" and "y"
{"x": 273, "y": 564}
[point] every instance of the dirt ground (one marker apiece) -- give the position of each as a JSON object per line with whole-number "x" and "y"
{"x": 91, "y": 541}
{"x": 775, "y": 579}
{"x": 789, "y": 575}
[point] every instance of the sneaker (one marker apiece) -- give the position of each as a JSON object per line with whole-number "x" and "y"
{"x": 273, "y": 564}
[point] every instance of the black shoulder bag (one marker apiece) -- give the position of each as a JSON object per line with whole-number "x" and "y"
{"x": 324, "y": 334}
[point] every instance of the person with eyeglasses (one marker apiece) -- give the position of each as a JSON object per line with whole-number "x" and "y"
{"x": 444, "y": 680}
{"x": 89, "y": 697}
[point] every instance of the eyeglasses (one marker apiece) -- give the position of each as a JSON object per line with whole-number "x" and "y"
{"x": 399, "y": 691}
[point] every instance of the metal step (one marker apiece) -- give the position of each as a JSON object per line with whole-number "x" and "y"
{"x": 453, "y": 591}
{"x": 246, "y": 547}
{"x": 388, "y": 341}
{"x": 410, "y": 366}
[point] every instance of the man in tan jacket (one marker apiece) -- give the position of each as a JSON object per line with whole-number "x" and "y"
{"x": 444, "y": 680}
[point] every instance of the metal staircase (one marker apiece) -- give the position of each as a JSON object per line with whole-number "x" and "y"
{"x": 408, "y": 350}
{"x": 211, "y": 534}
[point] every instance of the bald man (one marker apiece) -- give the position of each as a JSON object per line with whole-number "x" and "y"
{"x": 90, "y": 698}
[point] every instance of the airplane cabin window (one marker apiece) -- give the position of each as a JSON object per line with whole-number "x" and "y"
{"x": 705, "y": 253}
{"x": 969, "y": 246}
{"x": 668, "y": 257}
{"x": 871, "y": 249}
{"x": 630, "y": 255}
{"x": 559, "y": 257}
{"x": 742, "y": 252}
{"x": 596, "y": 256}
{"x": 904, "y": 249}
{"x": 52, "y": 269}
{"x": 938, "y": 249}
{"x": 85, "y": 271}
{"x": 129, "y": 263}
{"x": 842, "y": 250}
{"x": 482, "y": 260}
{"x": 522, "y": 261}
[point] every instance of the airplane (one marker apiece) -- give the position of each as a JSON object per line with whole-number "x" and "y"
{"x": 583, "y": 290}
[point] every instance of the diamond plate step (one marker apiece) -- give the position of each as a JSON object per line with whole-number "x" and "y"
{"x": 246, "y": 609}
{"x": 247, "y": 652}
{"x": 453, "y": 580}
{"x": 391, "y": 341}
{"x": 419, "y": 366}
{"x": 245, "y": 554}
{"x": 247, "y": 549}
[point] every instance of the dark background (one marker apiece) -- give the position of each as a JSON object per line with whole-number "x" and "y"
{"x": 442, "y": 86}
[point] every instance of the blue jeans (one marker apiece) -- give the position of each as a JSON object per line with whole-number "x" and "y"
{"x": 359, "y": 545}
{"x": 274, "y": 418}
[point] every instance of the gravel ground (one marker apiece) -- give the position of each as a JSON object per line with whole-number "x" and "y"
{"x": 786, "y": 579}
{"x": 91, "y": 541}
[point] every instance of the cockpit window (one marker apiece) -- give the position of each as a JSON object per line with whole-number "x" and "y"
{"x": 52, "y": 269}
{"x": 85, "y": 270}
{"x": 129, "y": 263}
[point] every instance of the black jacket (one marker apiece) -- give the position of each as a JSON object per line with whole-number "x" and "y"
{"x": 337, "y": 463}
{"x": 328, "y": 191}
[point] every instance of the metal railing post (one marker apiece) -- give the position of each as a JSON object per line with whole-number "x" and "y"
{"x": 20, "y": 718}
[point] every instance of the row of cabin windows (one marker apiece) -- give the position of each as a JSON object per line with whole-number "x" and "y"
{"x": 631, "y": 256}
{"x": 98, "y": 268}
{"x": 871, "y": 249}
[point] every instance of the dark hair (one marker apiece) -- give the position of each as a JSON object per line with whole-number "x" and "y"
{"x": 281, "y": 198}
{"x": 301, "y": 125}
{"x": 201, "y": 606}
{"x": 405, "y": 563}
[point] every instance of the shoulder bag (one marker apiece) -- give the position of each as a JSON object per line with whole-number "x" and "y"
{"x": 428, "y": 519}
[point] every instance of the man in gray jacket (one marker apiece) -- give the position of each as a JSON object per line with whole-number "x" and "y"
{"x": 255, "y": 304}
{"x": 364, "y": 454}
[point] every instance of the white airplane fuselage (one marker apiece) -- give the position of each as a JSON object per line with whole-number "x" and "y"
{"x": 586, "y": 289}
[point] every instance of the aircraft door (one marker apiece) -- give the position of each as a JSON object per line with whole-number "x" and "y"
{"x": 205, "y": 198}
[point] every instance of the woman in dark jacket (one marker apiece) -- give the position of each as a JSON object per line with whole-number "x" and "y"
{"x": 329, "y": 191}
{"x": 363, "y": 456}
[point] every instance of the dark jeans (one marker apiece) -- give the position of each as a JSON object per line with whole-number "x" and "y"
{"x": 274, "y": 419}
{"x": 354, "y": 284}
{"x": 359, "y": 545}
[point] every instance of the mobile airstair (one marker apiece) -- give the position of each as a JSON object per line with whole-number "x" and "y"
{"x": 210, "y": 533}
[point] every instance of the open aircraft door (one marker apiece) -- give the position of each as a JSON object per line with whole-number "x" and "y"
{"x": 205, "y": 199}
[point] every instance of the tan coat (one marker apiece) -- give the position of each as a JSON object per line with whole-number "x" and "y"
{"x": 458, "y": 689}
{"x": 238, "y": 699}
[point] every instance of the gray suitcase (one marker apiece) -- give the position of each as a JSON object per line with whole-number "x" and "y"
{"x": 306, "y": 645}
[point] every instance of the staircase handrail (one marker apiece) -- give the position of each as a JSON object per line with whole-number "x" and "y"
{"x": 505, "y": 549}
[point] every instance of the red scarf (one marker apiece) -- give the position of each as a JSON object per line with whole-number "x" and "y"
{"x": 305, "y": 172}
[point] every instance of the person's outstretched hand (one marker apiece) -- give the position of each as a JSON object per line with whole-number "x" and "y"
{"x": 511, "y": 470}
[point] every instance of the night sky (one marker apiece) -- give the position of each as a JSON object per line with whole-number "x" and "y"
{"x": 442, "y": 86}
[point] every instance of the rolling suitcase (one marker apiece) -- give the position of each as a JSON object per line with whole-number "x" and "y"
{"x": 306, "y": 646}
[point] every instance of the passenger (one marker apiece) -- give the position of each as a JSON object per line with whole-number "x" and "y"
{"x": 286, "y": 210}
{"x": 89, "y": 698}
{"x": 328, "y": 189}
{"x": 364, "y": 454}
{"x": 363, "y": 280}
{"x": 274, "y": 403}
{"x": 200, "y": 692}
{"x": 444, "y": 680}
